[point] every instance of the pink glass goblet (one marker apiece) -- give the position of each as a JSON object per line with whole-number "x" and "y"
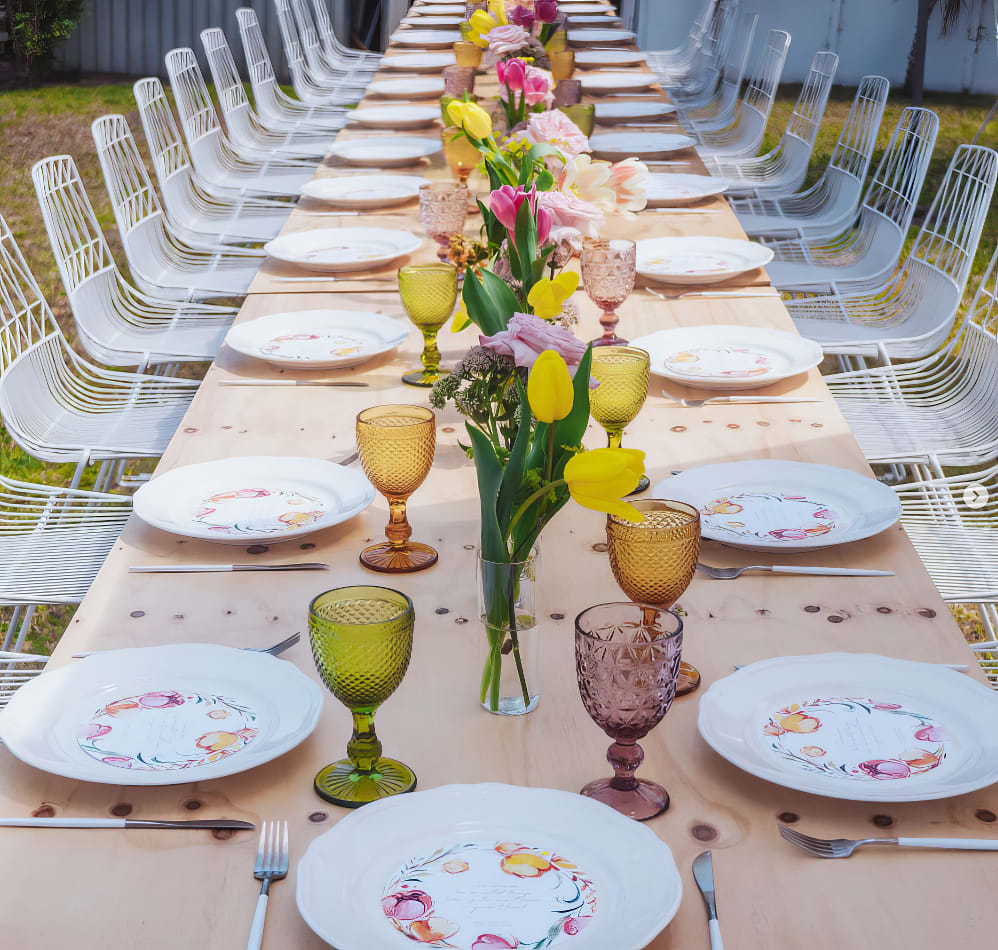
{"x": 608, "y": 270}
{"x": 443, "y": 208}
{"x": 459, "y": 80}
{"x": 627, "y": 662}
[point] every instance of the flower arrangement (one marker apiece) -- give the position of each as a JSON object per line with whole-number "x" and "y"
{"x": 523, "y": 89}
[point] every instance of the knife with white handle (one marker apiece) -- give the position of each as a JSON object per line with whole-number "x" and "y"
{"x": 222, "y": 824}
{"x": 220, "y": 568}
{"x": 825, "y": 571}
{"x": 957, "y": 844}
{"x": 293, "y": 382}
{"x": 703, "y": 874}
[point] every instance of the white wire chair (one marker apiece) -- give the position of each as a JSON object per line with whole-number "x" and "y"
{"x": 870, "y": 246}
{"x": 711, "y": 59}
{"x": 910, "y": 314}
{"x": 61, "y": 408}
{"x": 940, "y": 409}
{"x": 16, "y": 669}
{"x": 678, "y": 62}
{"x": 117, "y": 324}
{"x": 212, "y": 154}
{"x": 310, "y": 88}
{"x": 53, "y": 541}
{"x": 743, "y": 136}
{"x": 248, "y": 134}
{"x": 332, "y": 48}
{"x": 832, "y": 201}
{"x": 322, "y": 66}
{"x": 782, "y": 170}
{"x": 196, "y": 208}
{"x": 161, "y": 260}
{"x": 276, "y": 109}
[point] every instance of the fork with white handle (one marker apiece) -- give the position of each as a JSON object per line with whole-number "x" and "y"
{"x": 843, "y": 847}
{"x": 712, "y": 400}
{"x": 271, "y": 865}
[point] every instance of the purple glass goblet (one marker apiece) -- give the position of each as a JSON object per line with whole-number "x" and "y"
{"x": 627, "y": 662}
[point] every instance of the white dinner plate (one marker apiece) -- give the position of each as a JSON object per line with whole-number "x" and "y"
{"x": 728, "y": 358}
{"x": 438, "y": 9}
{"x": 673, "y": 191}
{"x": 421, "y": 21}
{"x": 408, "y": 88}
{"x": 586, "y": 7}
{"x": 618, "y": 145}
{"x": 417, "y": 63}
{"x": 396, "y": 117}
{"x": 855, "y": 726}
{"x": 365, "y": 191}
{"x": 386, "y": 152}
{"x": 427, "y": 39}
{"x": 483, "y": 867}
{"x": 617, "y": 82}
{"x": 332, "y": 250}
{"x": 608, "y": 57}
{"x": 166, "y": 715}
{"x": 610, "y": 113}
{"x": 583, "y": 19}
{"x": 699, "y": 260}
{"x": 771, "y": 505}
{"x": 597, "y": 37}
{"x": 317, "y": 339}
{"x": 251, "y": 499}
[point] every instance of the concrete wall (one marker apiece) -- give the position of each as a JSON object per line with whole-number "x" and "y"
{"x": 870, "y": 36}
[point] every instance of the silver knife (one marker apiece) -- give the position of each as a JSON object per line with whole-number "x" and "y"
{"x": 207, "y": 568}
{"x": 703, "y": 873}
{"x": 222, "y": 824}
{"x": 292, "y": 382}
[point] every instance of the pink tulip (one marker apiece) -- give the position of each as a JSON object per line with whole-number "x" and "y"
{"x": 522, "y": 17}
{"x": 514, "y": 74}
{"x": 537, "y": 86}
{"x": 885, "y": 769}
{"x": 504, "y": 203}
{"x": 546, "y": 10}
{"x": 544, "y": 223}
{"x": 407, "y": 905}
{"x": 492, "y": 942}
{"x": 527, "y": 336}
{"x": 932, "y": 734}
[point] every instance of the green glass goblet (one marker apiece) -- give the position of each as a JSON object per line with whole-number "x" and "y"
{"x": 362, "y": 641}
{"x": 429, "y": 295}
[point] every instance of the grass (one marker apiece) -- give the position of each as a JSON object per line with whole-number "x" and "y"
{"x": 56, "y": 120}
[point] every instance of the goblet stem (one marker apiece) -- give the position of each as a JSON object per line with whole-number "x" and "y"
{"x": 625, "y": 757}
{"x": 608, "y": 321}
{"x": 398, "y": 531}
{"x": 364, "y": 747}
{"x": 430, "y": 357}
{"x": 614, "y": 437}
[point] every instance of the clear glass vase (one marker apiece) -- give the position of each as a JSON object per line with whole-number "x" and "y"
{"x": 509, "y": 641}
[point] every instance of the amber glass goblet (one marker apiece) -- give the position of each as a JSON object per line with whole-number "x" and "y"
{"x": 443, "y": 208}
{"x": 458, "y": 80}
{"x": 583, "y": 114}
{"x": 622, "y": 372}
{"x": 429, "y": 295}
{"x": 361, "y": 643}
{"x": 654, "y": 560}
{"x": 627, "y": 663}
{"x": 568, "y": 93}
{"x": 461, "y": 155}
{"x": 396, "y": 446}
{"x": 562, "y": 64}
{"x": 467, "y": 53}
{"x": 608, "y": 270}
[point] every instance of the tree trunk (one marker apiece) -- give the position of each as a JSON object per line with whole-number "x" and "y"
{"x": 916, "y": 61}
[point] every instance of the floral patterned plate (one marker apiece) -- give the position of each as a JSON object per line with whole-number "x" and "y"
{"x": 161, "y": 715}
{"x": 855, "y": 726}
{"x": 613, "y": 113}
{"x": 488, "y": 867}
{"x": 620, "y": 145}
{"x": 408, "y": 88}
{"x": 776, "y": 505}
{"x": 333, "y": 250}
{"x": 675, "y": 191}
{"x": 420, "y": 63}
{"x": 389, "y": 152}
{"x": 245, "y": 500}
{"x": 600, "y": 37}
{"x": 427, "y": 39}
{"x": 317, "y": 339}
{"x": 726, "y": 358}
{"x": 609, "y": 81}
{"x": 698, "y": 260}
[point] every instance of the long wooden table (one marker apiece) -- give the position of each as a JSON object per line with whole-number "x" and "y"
{"x": 161, "y": 890}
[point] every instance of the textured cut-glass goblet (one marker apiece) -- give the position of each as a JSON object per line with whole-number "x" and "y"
{"x": 653, "y": 561}
{"x": 361, "y": 643}
{"x": 562, "y": 64}
{"x": 568, "y": 92}
{"x": 627, "y": 663}
{"x": 583, "y": 114}
{"x": 622, "y": 372}
{"x": 396, "y": 446}
{"x": 459, "y": 80}
{"x": 608, "y": 269}
{"x": 429, "y": 295}
{"x": 461, "y": 155}
{"x": 443, "y": 207}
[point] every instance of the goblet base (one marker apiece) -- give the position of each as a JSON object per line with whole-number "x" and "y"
{"x": 645, "y": 801}
{"x": 420, "y": 377}
{"x": 612, "y": 340}
{"x": 342, "y": 784}
{"x": 688, "y": 680}
{"x": 385, "y": 559}
{"x": 642, "y": 486}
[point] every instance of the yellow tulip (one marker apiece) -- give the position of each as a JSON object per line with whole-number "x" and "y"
{"x": 600, "y": 478}
{"x": 549, "y": 388}
{"x": 477, "y": 122}
{"x": 455, "y": 112}
{"x": 479, "y": 26}
{"x": 547, "y": 297}
{"x": 498, "y": 10}
{"x": 461, "y": 318}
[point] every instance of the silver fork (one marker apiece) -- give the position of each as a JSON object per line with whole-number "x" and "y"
{"x": 275, "y": 650}
{"x": 271, "y": 865}
{"x": 712, "y": 400}
{"x": 730, "y": 573}
{"x": 843, "y": 847}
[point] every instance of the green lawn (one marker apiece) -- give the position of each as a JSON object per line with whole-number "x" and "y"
{"x": 56, "y": 119}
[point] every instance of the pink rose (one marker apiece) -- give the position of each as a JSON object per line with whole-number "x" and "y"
{"x": 406, "y": 905}
{"x": 885, "y": 769}
{"x": 538, "y": 87}
{"x": 559, "y": 130}
{"x": 521, "y": 16}
{"x": 569, "y": 212}
{"x": 161, "y": 700}
{"x": 504, "y": 40}
{"x": 629, "y": 179}
{"x": 492, "y": 942}
{"x": 932, "y": 734}
{"x": 527, "y": 336}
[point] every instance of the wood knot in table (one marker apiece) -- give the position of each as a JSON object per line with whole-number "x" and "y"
{"x": 788, "y": 817}
{"x": 704, "y": 832}
{"x": 192, "y": 804}
{"x": 318, "y": 816}
{"x": 600, "y": 547}
{"x": 882, "y": 821}
{"x": 223, "y": 834}
{"x": 985, "y": 814}
{"x": 43, "y": 811}
{"x": 927, "y": 612}
{"x": 257, "y": 549}
{"x": 121, "y": 810}
{"x": 442, "y": 610}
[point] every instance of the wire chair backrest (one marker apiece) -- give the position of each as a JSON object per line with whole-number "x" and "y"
{"x": 163, "y": 136}
{"x": 198, "y": 117}
{"x": 290, "y": 39}
{"x": 854, "y": 148}
{"x": 761, "y": 90}
{"x": 308, "y": 35}
{"x": 236, "y": 108}
{"x": 263, "y": 81}
{"x": 735, "y": 63}
{"x": 983, "y": 311}
{"x": 717, "y": 43}
{"x": 809, "y": 109}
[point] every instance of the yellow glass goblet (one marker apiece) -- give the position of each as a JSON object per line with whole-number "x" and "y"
{"x": 654, "y": 560}
{"x": 468, "y": 54}
{"x": 622, "y": 372}
{"x": 583, "y": 114}
{"x": 562, "y": 64}
{"x": 429, "y": 295}
{"x": 396, "y": 446}
{"x": 461, "y": 155}
{"x": 362, "y": 642}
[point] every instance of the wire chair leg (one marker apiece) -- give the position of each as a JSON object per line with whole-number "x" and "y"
{"x": 80, "y": 468}
{"x": 22, "y": 633}
{"x": 11, "y": 627}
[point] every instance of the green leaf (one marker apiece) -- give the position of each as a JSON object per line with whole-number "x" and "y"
{"x": 525, "y": 238}
{"x": 545, "y": 181}
{"x": 490, "y": 474}
{"x": 512, "y": 480}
